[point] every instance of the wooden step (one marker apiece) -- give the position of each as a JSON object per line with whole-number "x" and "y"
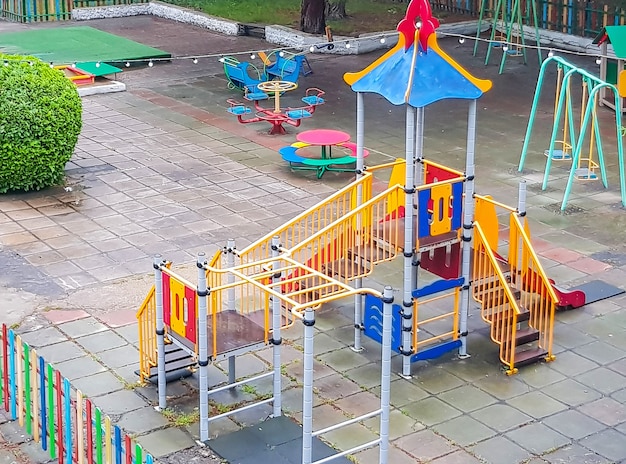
{"x": 523, "y": 358}
{"x": 177, "y": 362}
{"x": 526, "y": 335}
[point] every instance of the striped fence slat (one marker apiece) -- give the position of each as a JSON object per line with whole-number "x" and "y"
{"x": 89, "y": 408}
{"x": 19, "y": 369}
{"x": 42, "y": 403}
{"x": 59, "y": 425}
{"x": 67, "y": 406}
{"x": 51, "y": 411}
{"x": 28, "y": 399}
{"x": 34, "y": 373}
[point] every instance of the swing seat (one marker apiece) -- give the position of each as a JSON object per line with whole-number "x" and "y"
{"x": 585, "y": 174}
{"x": 559, "y": 155}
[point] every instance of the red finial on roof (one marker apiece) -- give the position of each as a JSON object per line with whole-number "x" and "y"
{"x": 418, "y": 11}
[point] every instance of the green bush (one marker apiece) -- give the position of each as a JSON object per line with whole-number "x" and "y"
{"x": 40, "y": 120}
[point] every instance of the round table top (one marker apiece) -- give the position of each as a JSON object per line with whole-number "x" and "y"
{"x": 277, "y": 86}
{"x": 323, "y": 137}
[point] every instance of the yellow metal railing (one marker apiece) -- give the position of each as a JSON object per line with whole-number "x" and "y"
{"x": 527, "y": 275}
{"x": 498, "y": 305}
{"x": 349, "y": 247}
{"x": 146, "y": 318}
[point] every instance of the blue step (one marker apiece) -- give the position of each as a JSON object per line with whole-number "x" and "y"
{"x": 313, "y": 100}
{"x": 298, "y": 114}
{"x": 435, "y": 351}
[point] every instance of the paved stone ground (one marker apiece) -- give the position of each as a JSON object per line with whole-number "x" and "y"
{"x": 163, "y": 168}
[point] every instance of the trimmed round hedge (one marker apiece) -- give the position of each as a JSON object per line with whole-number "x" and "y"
{"x": 40, "y": 120}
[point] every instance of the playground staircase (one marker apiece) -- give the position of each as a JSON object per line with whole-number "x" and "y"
{"x": 517, "y": 299}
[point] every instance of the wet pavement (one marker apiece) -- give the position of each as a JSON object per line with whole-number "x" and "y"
{"x": 163, "y": 168}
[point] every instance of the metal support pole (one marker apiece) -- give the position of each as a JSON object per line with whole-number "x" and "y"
{"x": 307, "y": 388}
{"x": 358, "y": 317}
{"x": 360, "y": 163}
{"x": 203, "y": 347}
{"x": 230, "y": 302}
{"x": 385, "y": 376}
{"x": 276, "y": 339}
{"x": 468, "y": 220}
{"x": 521, "y": 212}
{"x": 409, "y": 245}
{"x": 160, "y": 332}
{"x": 418, "y": 179}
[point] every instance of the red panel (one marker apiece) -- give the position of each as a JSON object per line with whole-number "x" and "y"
{"x": 436, "y": 174}
{"x": 167, "y": 299}
{"x": 192, "y": 317}
{"x": 446, "y": 263}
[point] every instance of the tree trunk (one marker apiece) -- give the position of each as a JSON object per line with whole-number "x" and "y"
{"x": 336, "y": 9}
{"x": 312, "y": 16}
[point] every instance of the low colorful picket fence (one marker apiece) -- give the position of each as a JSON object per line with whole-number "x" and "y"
{"x": 59, "y": 417}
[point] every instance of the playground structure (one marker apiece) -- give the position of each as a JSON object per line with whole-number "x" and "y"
{"x": 429, "y": 214}
{"x": 507, "y": 29}
{"x": 276, "y": 116}
{"x": 285, "y": 67}
{"x": 586, "y": 158}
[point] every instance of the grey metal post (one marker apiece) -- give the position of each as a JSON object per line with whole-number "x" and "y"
{"x": 230, "y": 301}
{"x": 360, "y": 163}
{"x": 409, "y": 244}
{"x": 418, "y": 176}
{"x": 521, "y": 212}
{"x": 203, "y": 347}
{"x": 468, "y": 220}
{"x": 307, "y": 388}
{"x": 385, "y": 376}
{"x": 276, "y": 339}
{"x": 160, "y": 332}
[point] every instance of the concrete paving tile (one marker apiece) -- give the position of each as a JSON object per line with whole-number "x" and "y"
{"x": 498, "y": 450}
{"x": 60, "y": 352}
{"x": 82, "y": 327}
{"x": 142, "y": 421}
{"x": 399, "y": 424}
{"x": 472, "y": 369}
{"x": 571, "y": 364}
{"x": 13, "y": 433}
{"x": 253, "y": 416}
{"x": 467, "y": 398}
{"x": 502, "y": 386}
{"x": 77, "y": 368}
{"x": 349, "y": 436}
{"x": 620, "y": 396}
{"x": 603, "y": 380}
{"x": 425, "y": 445}
{"x": 217, "y": 428}
{"x": 43, "y": 337}
{"x": 403, "y": 392}
{"x": 573, "y": 424}
{"x": 292, "y": 402}
{"x": 125, "y": 355}
{"x": 605, "y": 410}
{"x": 367, "y": 376}
{"x": 358, "y": 404}
{"x": 164, "y": 442}
{"x": 119, "y": 402}
{"x": 571, "y": 392}
{"x": 501, "y": 417}
{"x": 436, "y": 380}
{"x": 246, "y": 365}
{"x": 430, "y": 411}
{"x": 129, "y": 333}
{"x": 536, "y": 404}
{"x": 464, "y": 430}
{"x": 537, "y": 438}
{"x": 102, "y": 341}
{"x": 98, "y": 384}
{"x": 326, "y": 320}
{"x": 61, "y": 316}
{"x": 610, "y": 444}
{"x": 343, "y": 359}
{"x": 325, "y": 344}
{"x": 574, "y": 454}
{"x": 372, "y": 456}
{"x": 120, "y": 318}
{"x": 335, "y": 386}
{"x": 600, "y": 352}
{"x": 459, "y": 457}
{"x": 540, "y": 375}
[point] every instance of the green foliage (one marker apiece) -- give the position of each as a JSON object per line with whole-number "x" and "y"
{"x": 40, "y": 120}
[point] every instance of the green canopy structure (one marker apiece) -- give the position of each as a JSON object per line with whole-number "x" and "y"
{"x": 610, "y": 68}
